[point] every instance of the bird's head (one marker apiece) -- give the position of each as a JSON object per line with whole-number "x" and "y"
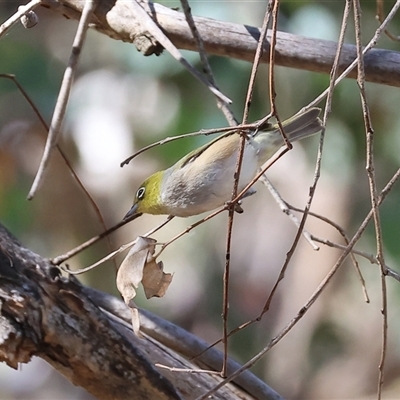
{"x": 148, "y": 197}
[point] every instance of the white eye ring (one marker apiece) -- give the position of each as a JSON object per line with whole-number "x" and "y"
{"x": 140, "y": 193}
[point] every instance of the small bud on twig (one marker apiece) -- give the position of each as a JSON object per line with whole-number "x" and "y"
{"x": 29, "y": 20}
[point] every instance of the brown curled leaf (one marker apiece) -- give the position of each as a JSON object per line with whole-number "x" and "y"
{"x": 130, "y": 274}
{"x": 139, "y": 266}
{"x": 155, "y": 281}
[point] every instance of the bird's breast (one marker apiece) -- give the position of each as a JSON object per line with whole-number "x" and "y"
{"x": 207, "y": 182}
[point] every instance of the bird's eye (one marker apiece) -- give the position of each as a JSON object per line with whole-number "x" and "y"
{"x": 140, "y": 193}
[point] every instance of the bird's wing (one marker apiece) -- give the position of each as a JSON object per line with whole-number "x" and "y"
{"x": 221, "y": 141}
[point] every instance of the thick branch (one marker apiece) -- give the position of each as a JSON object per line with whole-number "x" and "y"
{"x": 48, "y": 316}
{"x": 118, "y": 20}
{"x": 82, "y": 334}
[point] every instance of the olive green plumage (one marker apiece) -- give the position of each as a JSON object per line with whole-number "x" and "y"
{"x": 203, "y": 179}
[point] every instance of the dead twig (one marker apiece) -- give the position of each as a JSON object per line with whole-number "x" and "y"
{"x": 63, "y": 96}
{"x": 274, "y": 341}
{"x": 231, "y": 211}
{"x": 371, "y": 44}
{"x": 223, "y": 105}
{"x": 380, "y": 12}
{"x": 22, "y": 10}
{"x": 61, "y": 152}
{"x": 370, "y": 167}
{"x": 109, "y": 256}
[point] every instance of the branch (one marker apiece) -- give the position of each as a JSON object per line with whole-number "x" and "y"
{"x": 48, "y": 316}
{"x": 118, "y": 20}
{"x": 82, "y": 334}
{"x": 63, "y": 95}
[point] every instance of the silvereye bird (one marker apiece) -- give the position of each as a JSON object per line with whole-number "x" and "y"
{"x": 203, "y": 180}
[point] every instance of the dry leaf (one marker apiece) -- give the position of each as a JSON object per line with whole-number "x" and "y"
{"x": 139, "y": 266}
{"x": 130, "y": 272}
{"x": 155, "y": 281}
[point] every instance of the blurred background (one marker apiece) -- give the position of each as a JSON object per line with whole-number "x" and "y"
{"x": 122, "y": 101}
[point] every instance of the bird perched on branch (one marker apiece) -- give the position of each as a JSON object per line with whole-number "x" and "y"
{"x": 203, "y": 179}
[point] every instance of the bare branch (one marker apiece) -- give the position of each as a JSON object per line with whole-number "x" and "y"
{"x": 66, "y": 324}
{"x": 370, "y": 167}
{"x": 22, "y": 10}
{"x": 63, "y": 95}
{"x": 223, "y": 105}
{"x": 286, "y": 209}
{"x": 380, "y": 12}
{"x": 117, "y": 20}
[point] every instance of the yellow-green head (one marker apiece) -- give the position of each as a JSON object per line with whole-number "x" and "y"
{"x": 148, "y": 197}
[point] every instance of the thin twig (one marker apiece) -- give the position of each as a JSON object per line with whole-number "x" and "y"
{"x": 282, "y": 272}
{"x": 114, "y": 253}
{"x": 204, "y": 61}
{"x": 335, "y": 66}
{"x": 350, "y": 246}
{"x": 287, "y": 328}
{"x": 63, "y": 155}
{"x": 26, "y": 97}
{"x": 22, "y": 10}
{"x": 346, "y": 239}
{"x": 286, "y": 208}
{"x": 300, "y": 229}
{"x": 101, "y": 261}
{"x": 225, "y": 301}
{"x": 257, "y": 60}
{"x": 332, "y": 81}
{"x": 310, "y": 301}
{"x": 317, "y": 172}
{"x": 380, "y": 12}
{"x": 63, "y": 96}
{"x": 393, "y": 274}
{"x": 301, "y": 225}
{"x": 225, "y": 305}
{"x": 370, "y": 257}
{"x": 271, "y": 74}
{"x": 62, "y": 258}
{"x": 371, "y": 44}
{"x": 372, "y": 185}
{"x": 333, "y": 74}
{"x": 151, "y": 26}
{"x": 189, "y": 228}
{"x": 203, "y": 132}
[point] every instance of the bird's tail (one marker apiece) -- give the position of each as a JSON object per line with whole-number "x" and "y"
{"x": 298, "y": 127}
{"x": 303, "y": 125}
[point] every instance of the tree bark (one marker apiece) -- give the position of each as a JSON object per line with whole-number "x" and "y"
{"x": 120, "y": 20}
{"x": 83, "y": 334}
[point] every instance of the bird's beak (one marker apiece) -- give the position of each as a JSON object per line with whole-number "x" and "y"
{"x": 132, "y": 213}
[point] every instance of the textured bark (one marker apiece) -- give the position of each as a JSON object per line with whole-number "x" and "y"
{"x": 84, "y": 334}
{"x": 120, "y": 20}
{"x": 46, "y": 315}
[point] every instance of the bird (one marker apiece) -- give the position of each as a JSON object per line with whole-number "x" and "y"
{"x": 203, "y": 180}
